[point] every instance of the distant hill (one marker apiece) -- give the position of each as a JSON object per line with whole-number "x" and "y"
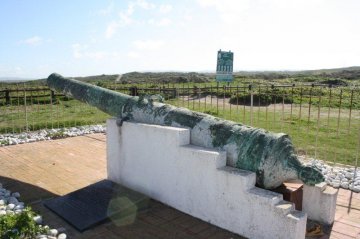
{"x": 164, "y": 77}
{"x": 13, "y": 79}
{"x": 347, "y": 73}
{"x": 142, "y": 77}
{"x": 335, "y": 76}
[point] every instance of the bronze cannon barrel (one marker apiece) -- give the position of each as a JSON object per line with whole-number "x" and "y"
{"x": 271, "y": 156}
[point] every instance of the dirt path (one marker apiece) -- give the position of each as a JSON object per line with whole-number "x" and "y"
{"x": 287, "y": 109}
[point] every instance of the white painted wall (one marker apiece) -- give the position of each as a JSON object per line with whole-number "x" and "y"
{"x": 159, "y": 162}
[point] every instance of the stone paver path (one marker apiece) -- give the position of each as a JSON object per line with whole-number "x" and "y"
{"x": 43, "y": 170}
{"x": 47, "y": 169}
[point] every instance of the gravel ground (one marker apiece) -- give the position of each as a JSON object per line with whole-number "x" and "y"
{"x": 338, "y": 177}
{"x": 48, "y": 134}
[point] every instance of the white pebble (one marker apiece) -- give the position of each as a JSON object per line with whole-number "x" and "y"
{"x": 10, "y": 206}
{"x": 336, "y": 181}
{"x": 62, "y": 236}
{"x": 41, "y": 237}
{"x": 336, "y": 185}
{"x": 13, "y": 200}
{"x": 19, "y": 206}
{"x": 53, "y": 232}
{"x": 16, "y": 194}
{"x": 18, "y": 211}
{"x": 349, "y": 175}
{"x": 345, "y": 185}
{"x": 38, "y": 219}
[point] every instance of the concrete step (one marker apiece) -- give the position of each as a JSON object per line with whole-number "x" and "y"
{"x": 266, "y": 196}
{"x": 215, "y": 157}
{"x": 239, "y": 178}
{"x": 296, "y": 216}
{"x": 285, "y": 207}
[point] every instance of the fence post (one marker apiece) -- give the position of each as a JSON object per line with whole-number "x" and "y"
{"x": 174, "y": 93}
{"x": 224, "y": 87}
{"x": 7, "y": 96}
{"x": 133, "y": 91}
{"x": 251, "y": 104}
{"x": 25, "y": 106}
{"x": 52, "y": 97}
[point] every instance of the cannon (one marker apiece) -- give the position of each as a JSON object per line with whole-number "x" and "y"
{"x": 270, "y": 155}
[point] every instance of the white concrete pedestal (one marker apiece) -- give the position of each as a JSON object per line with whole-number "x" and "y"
{"x": 160, "y": 163}
{"x": 319, "y": 202}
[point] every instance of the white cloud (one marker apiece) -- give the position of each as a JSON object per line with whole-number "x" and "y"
{"x": 107, "y": 11}
{"x": 82, "y": 51}
{"x": 133, "y": 54}
{"x": 163, "y": 22}
{"x": 148, "y": 45}
{"x": 126, "y": 18}
{"x": 165, "y": 8}
{"x": 145, "y": 4}
{"x": 230, "y": 10}
{"x": 77, "y": 50}
{"x": 111, "y": 29}
{"x": 33, "y": 41}
{"x": 282, "y": 34}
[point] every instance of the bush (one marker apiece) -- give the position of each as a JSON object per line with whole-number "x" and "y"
{"x": 262, "y": 99}
{"x": 18, "y": 226}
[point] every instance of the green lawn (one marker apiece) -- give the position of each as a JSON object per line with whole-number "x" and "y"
{"x": 61, "y": 114}
{"x": 327, "y": 137}
{"x": 331, "y": 138}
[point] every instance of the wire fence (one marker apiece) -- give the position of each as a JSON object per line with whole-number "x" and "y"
{"x": 24, "y": 108}
{"x": 323, "y": 121}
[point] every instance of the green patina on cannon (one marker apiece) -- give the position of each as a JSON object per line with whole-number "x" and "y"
{"x": 271, "y": 156}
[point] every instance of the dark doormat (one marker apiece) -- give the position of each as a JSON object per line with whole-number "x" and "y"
{"x": 95, "y": 203}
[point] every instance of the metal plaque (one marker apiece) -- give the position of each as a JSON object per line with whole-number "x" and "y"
{"x": 224, "y": 67}
{"x": 94, "y": 204}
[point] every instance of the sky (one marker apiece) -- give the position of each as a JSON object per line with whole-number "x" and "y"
{"x": 92, "y": 37}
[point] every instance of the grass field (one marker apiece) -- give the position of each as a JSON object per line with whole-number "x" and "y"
{"x": 63, "y": 113}
{"x": 321, "y": 132}
{"x": 318, "y": 132}
{"x": 323, "y": 121}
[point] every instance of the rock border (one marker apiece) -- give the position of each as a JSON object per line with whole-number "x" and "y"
{"x": 48, "y": 134}
{"x": 10, "y": 204}
{"x": 345, "y": 177}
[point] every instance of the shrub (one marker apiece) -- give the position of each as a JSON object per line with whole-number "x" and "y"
{"x": 262, "y": 99}
{"x": 19, "y": 226}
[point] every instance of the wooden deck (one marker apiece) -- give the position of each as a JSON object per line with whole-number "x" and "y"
{"x": 43, "y": 170}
